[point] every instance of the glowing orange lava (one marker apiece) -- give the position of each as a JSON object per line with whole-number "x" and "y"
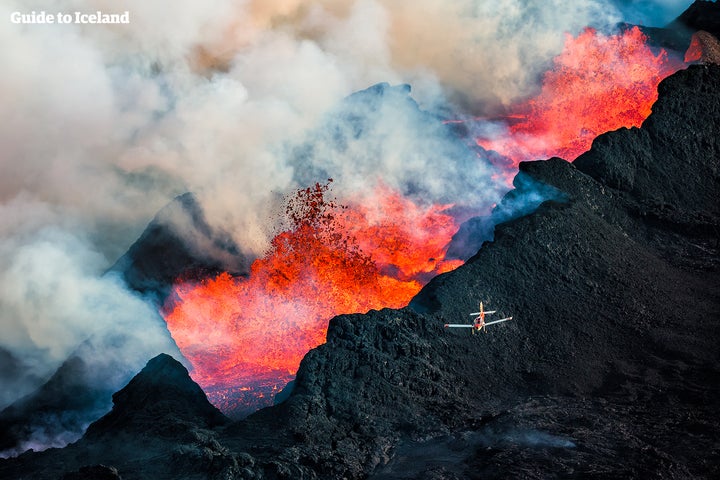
{"x": 598, "y": 83}
{"x": 245, "y": 337}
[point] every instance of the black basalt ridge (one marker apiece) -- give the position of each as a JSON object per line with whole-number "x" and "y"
{"x": 161, "y": 394}
{"x": 701, "y": 15}
{"x": 60, "y": 408}
{"x": 672, "y": 164}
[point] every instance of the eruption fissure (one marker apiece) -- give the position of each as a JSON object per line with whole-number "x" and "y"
{"x": 245, "y": 337}
{"x": 598, "y": 83}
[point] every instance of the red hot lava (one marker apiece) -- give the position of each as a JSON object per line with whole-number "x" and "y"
{"x": 598, "y": 83}
{"x": 245, "y": 337}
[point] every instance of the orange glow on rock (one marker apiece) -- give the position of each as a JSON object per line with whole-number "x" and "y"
{"x": 694, "y": 52}
{"x": 597, "y": 84}
{"x": 245, "y": 337}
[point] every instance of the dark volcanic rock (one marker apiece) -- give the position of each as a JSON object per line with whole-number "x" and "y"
{"x": 56, "y": 413}
{"x": 704, "y": 48}
{"x": 178, "y": 243}
{"x": 94, "y": 472}
{"x": 676, "y": 36}
{"x": 527, "y": 195}
{"x": 14, "y": 376}
{"x": 701, "y": 15}
{"x": 160, "y": 427}
{"x": 161, "y": 395}
{"x": 672, "y": 163}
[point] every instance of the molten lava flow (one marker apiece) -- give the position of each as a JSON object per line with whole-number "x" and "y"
{"x": 245, "y": 337}
{"x": 598, "y": 83}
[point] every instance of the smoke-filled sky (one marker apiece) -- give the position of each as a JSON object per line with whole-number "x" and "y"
{"x": 104, "y": 124}
{"x": 653, "y": 13}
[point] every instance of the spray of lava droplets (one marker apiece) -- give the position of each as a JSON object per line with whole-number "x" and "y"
{"x": 598, "y": 83}
{"x": 245, "y": 337}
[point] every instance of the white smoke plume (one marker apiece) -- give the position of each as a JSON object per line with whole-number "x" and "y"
{"x": 54, "y": 298}
{"x": 232, "y": 100}
{"x": 112, "y": 121}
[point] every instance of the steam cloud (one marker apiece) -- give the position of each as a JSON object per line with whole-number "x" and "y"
{"x": 103, "y": 125}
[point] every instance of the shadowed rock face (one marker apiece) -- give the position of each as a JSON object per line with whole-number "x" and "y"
{"x": 160, "y": 426}
{"x": 59, "y": 411}
{"x": 94, "y": 472}
{"x": 701, "y": 15}
{"x": 609, "y": 368}
{"x": 677, "y": 35}
{"x": 671, "y": 163}
{"x": 161, "y": 395}
{"x": 178, "y": 243}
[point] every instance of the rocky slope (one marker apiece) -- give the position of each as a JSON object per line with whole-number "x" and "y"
{"x": 701, "y": 15}
{"x": 159, "y": 427}
{"x": 59, "y": 410}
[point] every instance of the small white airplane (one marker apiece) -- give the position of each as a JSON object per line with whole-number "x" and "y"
{"x": 479, "y": 323}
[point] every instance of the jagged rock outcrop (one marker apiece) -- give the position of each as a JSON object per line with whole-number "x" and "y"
{"x": 704, "y": 48}
{"x": 161, "y": 426}
{"x": 672, "y": 163}
{"x": 161, "y": 395}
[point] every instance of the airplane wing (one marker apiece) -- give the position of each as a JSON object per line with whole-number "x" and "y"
{"x": 498, "y": 321}
{"x": 486, "y": 313}
{"x": 457, "y": 325}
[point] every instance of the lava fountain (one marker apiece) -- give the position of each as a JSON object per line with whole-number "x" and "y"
{"x": 245, "y": 337}
{"x": 597, "y": 84}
